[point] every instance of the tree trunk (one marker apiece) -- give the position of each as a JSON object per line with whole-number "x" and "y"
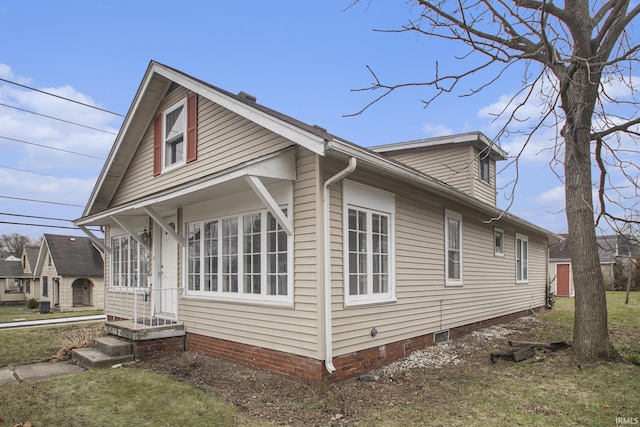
{"x": 590, "y": 331}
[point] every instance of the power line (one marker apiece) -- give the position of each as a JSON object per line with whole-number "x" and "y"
{"x": 41, "y": 225}
{"x": 51, "y": 148}
{"x": 55, "y": 118}
{"x": 27, "y": 171}
{"x": 61, "y": 97}
{"x": 41, "y": 201}
{"x": 36, "y": 217}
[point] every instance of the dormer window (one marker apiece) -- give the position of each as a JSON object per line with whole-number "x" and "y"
{"x": 174, "y": 128}
{"x": 485, "y": 169}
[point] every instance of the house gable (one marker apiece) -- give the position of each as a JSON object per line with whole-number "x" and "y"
{"x": 158, "y": 83}
{"x": 70, "y": 256}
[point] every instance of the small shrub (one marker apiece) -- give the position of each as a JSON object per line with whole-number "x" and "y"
{"x": 32, "y": 303}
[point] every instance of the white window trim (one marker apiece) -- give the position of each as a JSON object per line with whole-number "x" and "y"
{"x": 176, "y": 165}
{"x": 142, "y": 284}
{"x": 372, "y": 200}
{"x": 495, "y": 249}
{"x": 522, "y": 238}
{"x": 241, "y": 296}
{"x": 453, "y": 215}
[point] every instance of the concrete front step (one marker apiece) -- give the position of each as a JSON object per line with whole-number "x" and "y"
{"x": 112, "y": 346}
{"x": 91, "y": 358}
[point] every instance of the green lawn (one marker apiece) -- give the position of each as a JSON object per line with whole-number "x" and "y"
{"x": 621, "y": 315}
{"x": 115, "y": 397}
{"x": 12, "y": 313}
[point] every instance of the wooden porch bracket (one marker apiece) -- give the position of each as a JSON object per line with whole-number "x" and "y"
{"x": 165, "y": 226}
{"x": 100, "y": 243}
{"x": 131, "y": 232}
{"x": 263, "y": 194}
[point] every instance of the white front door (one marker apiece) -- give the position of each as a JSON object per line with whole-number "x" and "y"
{"x": 166, "y": 302}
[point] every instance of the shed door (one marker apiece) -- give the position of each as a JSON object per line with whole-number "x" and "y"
{"x": 562, "y": 277}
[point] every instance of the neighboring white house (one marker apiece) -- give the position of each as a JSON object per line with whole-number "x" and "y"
{"x": 273, "y": 243}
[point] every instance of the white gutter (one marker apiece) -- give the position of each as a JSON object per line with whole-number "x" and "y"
{"x": 326, "y": 259}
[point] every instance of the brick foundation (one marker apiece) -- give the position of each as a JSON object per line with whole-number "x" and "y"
{"x": 313, "y": 371}
{"x": 147, "y": 349}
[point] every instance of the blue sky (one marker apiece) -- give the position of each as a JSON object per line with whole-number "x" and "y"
{"x": 302, "y": 58}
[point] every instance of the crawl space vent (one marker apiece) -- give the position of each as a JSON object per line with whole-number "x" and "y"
{"x": 442, "y": 336}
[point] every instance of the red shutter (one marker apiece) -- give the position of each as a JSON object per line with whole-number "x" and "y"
{"x": 157, "y": 145}
{"x": 192, "y": 127}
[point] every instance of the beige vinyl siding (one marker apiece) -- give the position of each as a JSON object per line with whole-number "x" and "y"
{"x": 452, "y": 165}
{"x": 424, "y": 304}
{"x": 121, "y": 304}
{"x": 482, "y": 190}
{"x": 225, "y": 139}
{"x": 290, "y": 329}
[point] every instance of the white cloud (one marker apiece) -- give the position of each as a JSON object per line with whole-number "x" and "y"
{"x": 57, "y": 134}
{"x": 542, "y": 148}
{"x": 436, "y": 130}
{"x": 5, "y": 71}
{"x": 554, "y": 196}
{"x": 48, "y": 174}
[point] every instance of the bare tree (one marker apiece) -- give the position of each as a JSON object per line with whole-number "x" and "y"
{"x": 571, "y": 55}
{"x": 12, "y": 244}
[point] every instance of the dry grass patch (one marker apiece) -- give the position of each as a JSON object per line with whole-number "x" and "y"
{"x": 76, "y": 337}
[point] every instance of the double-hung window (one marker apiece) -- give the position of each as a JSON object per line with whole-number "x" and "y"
{"x": 369, "y": 244}
{"x": 129, "y": 263}
{"x": 245, "y": 256}
{"x": 174, "y": 135}
{"x": 453, "y": 249}
{"x": 522, "y": 259}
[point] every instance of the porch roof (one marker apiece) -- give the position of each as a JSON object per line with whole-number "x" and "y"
{"x": 271, "y": 168}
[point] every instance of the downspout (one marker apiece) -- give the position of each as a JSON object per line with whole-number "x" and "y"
{"x": 328, "y": 329}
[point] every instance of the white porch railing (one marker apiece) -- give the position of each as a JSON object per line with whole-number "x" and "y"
{"x": 145, "y": 307}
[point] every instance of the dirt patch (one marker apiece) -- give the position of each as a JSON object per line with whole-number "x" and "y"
{"x": 282, "y": 402}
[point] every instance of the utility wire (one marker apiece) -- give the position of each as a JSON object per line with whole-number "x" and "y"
{"x": 41, "y": 201}
{"x": 27, "y": 171}
{"x": 55, "y": 118}
{"x": 37, "y": 217}
{"x": 61, "y": 97}
{"x": 51, "y": 148}
{"x": 41, "y": 225}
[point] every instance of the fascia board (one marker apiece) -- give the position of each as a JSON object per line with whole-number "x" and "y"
{"x": 124, "y": 129}
{"x": 471, "y": 137}
{"x": 289, "y": 131}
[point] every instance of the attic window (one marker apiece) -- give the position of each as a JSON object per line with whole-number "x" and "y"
{"x": 175, "y": 135}
{"x": 485, "y": 169}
